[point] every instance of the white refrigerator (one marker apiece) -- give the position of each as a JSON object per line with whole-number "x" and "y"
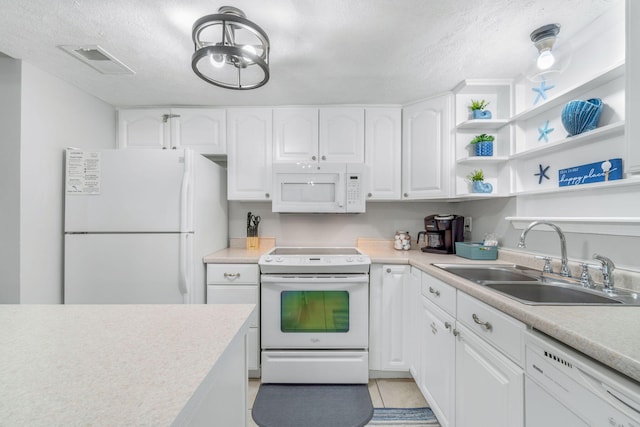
{"x": 137, "y": 224}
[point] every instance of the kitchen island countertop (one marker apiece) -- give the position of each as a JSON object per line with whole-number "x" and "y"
{"x": 111, "y": 364}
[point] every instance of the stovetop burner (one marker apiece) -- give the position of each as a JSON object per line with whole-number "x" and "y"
{"x": 314, "y": 260}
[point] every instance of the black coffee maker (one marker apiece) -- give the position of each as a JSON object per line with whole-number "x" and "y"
{"x": 441, "y": 233}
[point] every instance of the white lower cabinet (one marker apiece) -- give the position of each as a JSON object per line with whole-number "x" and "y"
{"x": 470, "y": 359}
{"x": 489, "y": 387}
{"x": 238, "y": 284}
{"x": 437, "y": 369}
{"x": 389, "y": 318}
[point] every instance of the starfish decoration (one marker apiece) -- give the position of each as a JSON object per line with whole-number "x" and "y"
{"x": 542, "y": 173}
{"x": 544, "y": 132}
{"x": 541, "y": 91}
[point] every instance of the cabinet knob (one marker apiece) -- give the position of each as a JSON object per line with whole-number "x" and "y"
{"x": 388, "y": 270}
{"x": 406, "y": 195}
{"x": 313, "y": 157}
{"x": 173, "y": 148}
{"x": 447, "y": 325}
{"x": 456, "y": 332}
{"x": 164, "y": 148}
{"x": 324, "y": 157}
{"x": 369, "y": 195}
{"x": 266, "y": 195}
{"x": 434, "y": 291}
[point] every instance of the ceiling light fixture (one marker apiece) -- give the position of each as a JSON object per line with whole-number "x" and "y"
{"x": 543, "y": 38}
{"x": 230, "y": 51}
{"x": 550, "y": 59}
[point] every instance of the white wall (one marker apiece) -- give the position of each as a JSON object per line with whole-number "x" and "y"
{"x": 9, "y": 180}
{"x": 55, "y": 115}
{"x": 381, "y": 221}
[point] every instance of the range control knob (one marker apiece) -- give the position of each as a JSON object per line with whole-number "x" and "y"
{"x": 349, "y": 259}
{"x": 268, "y": 259}
{"x": 279, "y": 259}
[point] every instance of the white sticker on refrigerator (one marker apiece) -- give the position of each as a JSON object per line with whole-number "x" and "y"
{"x": 83, "y": 172}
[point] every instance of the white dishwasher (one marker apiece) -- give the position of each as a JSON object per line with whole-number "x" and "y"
{"x": 565, "y": 388}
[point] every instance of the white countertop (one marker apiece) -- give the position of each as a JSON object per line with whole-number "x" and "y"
{"x": 108, "y": 364}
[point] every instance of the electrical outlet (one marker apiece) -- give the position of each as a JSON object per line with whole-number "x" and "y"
{"x": 468, "y": 224}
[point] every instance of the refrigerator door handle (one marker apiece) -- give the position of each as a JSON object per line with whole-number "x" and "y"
{"x": 183, "y": 281}
{"x": 184, "y": 192}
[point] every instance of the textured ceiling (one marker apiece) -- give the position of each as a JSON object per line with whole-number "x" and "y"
{"x": 322, "y": 51}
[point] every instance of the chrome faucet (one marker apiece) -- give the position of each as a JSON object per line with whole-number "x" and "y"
{"x": 564, "y": 270}
{"x": 607, "y": 272}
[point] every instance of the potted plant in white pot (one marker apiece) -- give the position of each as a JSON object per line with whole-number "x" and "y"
{"x": 483, "y": 144}
{"x": 477, "y": 182}
{"x": 478, "y": 111}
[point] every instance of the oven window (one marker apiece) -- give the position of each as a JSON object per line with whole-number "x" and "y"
{"x": 314, "y": 311}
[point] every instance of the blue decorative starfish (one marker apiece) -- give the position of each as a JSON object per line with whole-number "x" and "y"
{"x": 544, "y": 132}
{"x": 542, "y": 173}
{"x": 541, "y": 91}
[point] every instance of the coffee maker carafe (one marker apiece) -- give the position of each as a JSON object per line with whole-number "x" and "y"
{"x": 441, "y": 233}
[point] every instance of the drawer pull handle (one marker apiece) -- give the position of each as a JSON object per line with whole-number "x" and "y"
{"x": 447, "y": 325}
{"x": 485, "y": 325}
{"x": 434, "y": 291}
{"x": 456, "y": 332}
{"x": 231, "y": 275}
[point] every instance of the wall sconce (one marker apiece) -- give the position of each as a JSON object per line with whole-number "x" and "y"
{"x": 230, "y": 51}
{"x": 550, "y": 58}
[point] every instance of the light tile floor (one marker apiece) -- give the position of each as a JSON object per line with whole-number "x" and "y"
{"x": 385, "y": 393}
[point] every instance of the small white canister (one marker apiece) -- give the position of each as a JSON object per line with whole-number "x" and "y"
{"x": 402, "y": 241}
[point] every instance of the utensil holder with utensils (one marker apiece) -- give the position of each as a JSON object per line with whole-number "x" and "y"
{"x": 253, "y": 241}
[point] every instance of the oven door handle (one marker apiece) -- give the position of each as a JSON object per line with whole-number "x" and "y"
{"x": 356, "y": 278}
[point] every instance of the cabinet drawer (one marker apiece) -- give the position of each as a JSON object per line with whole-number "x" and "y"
{"x": 234, "y": 294}
{"x": 232, "y": 273}
{"x": 438, "y": 292}
{"x": 501, "y": 330}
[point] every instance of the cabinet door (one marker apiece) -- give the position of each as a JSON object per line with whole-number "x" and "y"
{"x": 144, "y": 128}
{"x": 438, "y": 361}
{"x": 383, "y": 143}
{"x": 203, "y": 130}
{"x": 249, "y": 147}
{"x": 426, "y": 149}
{"x": 395, "y": 317}
{"x": 415, "y": 327}
{"x": 632, "y": 125}
{"x": 489, "y": 387}
{"x": 295, "y": 135}
{"x": 342, "y": 135}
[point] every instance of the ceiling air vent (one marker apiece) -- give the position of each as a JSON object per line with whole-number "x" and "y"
{"x": 97, "y": 58}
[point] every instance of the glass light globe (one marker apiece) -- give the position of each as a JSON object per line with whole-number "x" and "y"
{"x": 545, "y": 60}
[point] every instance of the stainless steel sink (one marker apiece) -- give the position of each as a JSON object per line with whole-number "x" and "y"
{"x": 481, "y": 273}
{"x": 533, "y": 288}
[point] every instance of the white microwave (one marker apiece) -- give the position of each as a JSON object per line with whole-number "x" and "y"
{"x": 318, "y": 187}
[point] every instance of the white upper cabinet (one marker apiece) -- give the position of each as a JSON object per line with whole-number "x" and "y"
{"x": 200, "y": 129}
{"x": 341, "y": 137}
{"x": 250, "y": 147}
{"x": 633, "y": 88}
{"x": 426, "y": 148}
{"x": 383, "y": 153}
{"x": 144, "y": 128}
{"x": 318, "y": 135}
{"x": 295, "y": 135}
